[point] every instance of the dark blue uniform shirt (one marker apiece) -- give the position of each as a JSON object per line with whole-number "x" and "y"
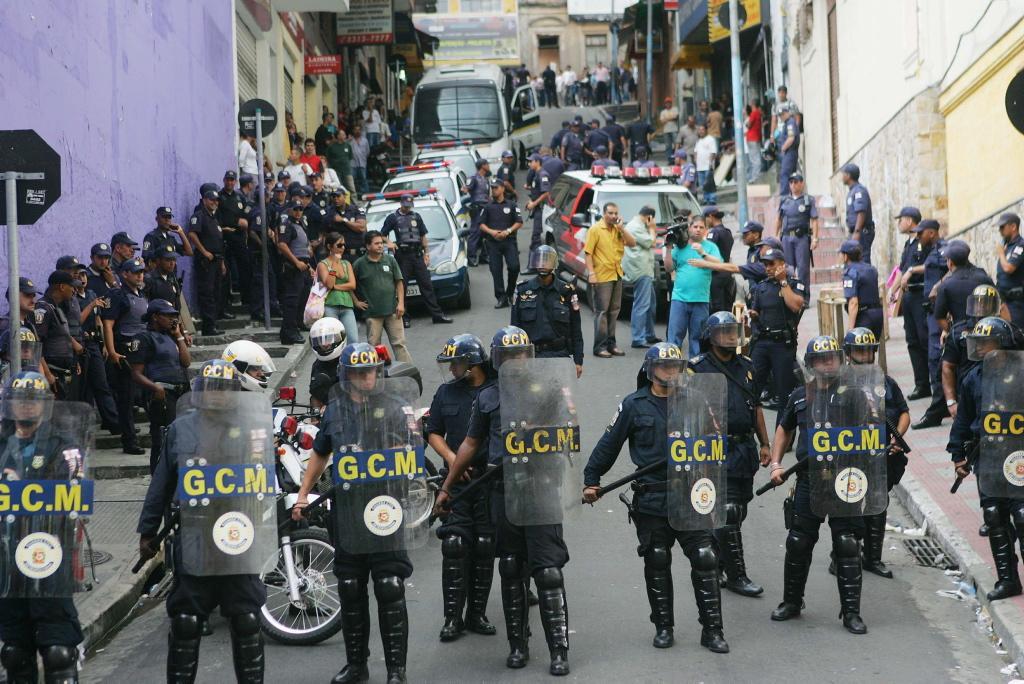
{"x": 857, "y": 200}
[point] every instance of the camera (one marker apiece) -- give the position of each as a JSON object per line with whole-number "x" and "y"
{"x": 678, "y": 233}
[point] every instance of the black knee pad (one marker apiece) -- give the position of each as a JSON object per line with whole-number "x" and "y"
{"x": 549, "y": 578}
{"x": 732, "y": 514}
{"x": 510, "y": 567}
{"x": 185, "y": 626}
{"x": 14, "y": 657}
{"x": 453, "y": 546}
{"x": 483, "y": 546}
{"x": 1017, "y": 515}
{"x": 742, "y": 508}
{"x": 59, "y": 657}
{"x": 245, "y": 624}
{"x": 351, "y": 589}
{"x": 845, "y": 545}
{"x": 807, "y": 526}
{"x": 658, "y": 558}
{"x": 993, "y": 516}
{"x": 389, "y": 589}
{"x": 799, "y": 542}
{"x": 704, "y": 559}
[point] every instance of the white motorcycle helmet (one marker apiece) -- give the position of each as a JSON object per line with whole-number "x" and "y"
{"x": 252, "y": 361}
{"x": 327, "y": 338}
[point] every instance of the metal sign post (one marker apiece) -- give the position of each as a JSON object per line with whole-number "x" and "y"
{"x": 11, "y": 179}
{"x": 737, "y": 112}
{"x": 263, "y": 219}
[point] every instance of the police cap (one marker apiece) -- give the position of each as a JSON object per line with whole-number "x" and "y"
{"x": 927, "y": 224}
{"x": 101, "y": 249}
{"x": 535, "y": 157}
{"x": 712, "y": 210}
{"x": 122, "y": 238}
{"x": 770, "y": 241}
{"x": 752, "y": 227}
{"x": 67, "y": 262}
{"x": 1009, "y": 217}
{"x": 159, "y": 307}
{"x": 245, "y": 179}
{"x": 956, "y": 250}
{"x": 773, "y": 255}
{"x": 132, "y": 265}
{"x": 211, "y": 195}
{"x": 167, "y": 252}
{"x": 480, "y": 163}
{"x": 852, "y": 170}
{"x": 912, "y": 213}
{"x": 164, "y": 211}
{"x": 60, "y": 278}
{"x": 230, "y": 175}
{"x": 794, "y": 177}
{"x": 850, "y": 247}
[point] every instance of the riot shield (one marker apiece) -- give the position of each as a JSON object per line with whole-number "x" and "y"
{"x": 223, "y": 442}
{"x": 45, "y": 497}
{"x": 1000, "y": 464}
{"x": 697, "y": 442}
{"x": 847, "y": 443}
{"x": 541, "y": 432}
{"x": 381, "y": 498}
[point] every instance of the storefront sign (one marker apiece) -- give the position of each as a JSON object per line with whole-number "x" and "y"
{"x": 317, "y": 65}
{"x": 466, "y": 38}
{"x": 367, "y": 22}
{"x": 718, "y": 17}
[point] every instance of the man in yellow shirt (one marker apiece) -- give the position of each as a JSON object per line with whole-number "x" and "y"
{"x": 606, "y": 242}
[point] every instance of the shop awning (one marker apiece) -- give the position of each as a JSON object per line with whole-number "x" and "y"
{"x": 692, "y": 57}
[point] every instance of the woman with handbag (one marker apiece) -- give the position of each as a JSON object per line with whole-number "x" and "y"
{"x": 337, "y": 276}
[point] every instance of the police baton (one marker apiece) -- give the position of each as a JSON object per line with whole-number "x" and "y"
{"x": 770, "y": 485}
{"x": 491, "y": 472}
{"x": 154, "y": 545}
{"x": 635, "y": 475}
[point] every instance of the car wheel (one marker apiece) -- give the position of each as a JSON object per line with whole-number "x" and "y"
{"x": 464, "y": 300}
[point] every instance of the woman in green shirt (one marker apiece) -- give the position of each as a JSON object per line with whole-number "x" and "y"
{"x": 337, "y": 276}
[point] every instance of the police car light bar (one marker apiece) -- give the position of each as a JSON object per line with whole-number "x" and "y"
{"x": 397, "y": 194}
{"x": 446, "y": 144}
{"x": 431, "y": 166}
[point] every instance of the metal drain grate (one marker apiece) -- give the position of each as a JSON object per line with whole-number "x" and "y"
{"x": 95, "y": 558}
{"x": 928, "y": 554}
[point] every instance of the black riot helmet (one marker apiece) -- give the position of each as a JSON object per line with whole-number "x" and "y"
{"x": 721, "y": 329}
{"x": 823, "y": 356}
{"x": 459, "y": 354}
{"x": 989, "y": 334}
{"x": 359, "y": 368}
{"x": 543, "y": 260}
{"x": 510, "y": 342}
{"x": 859, "y": 340}
{"x": 31, "y": 349}
{"x": 27, "y": 399}
{"x": 983, "y": 301}
{"x": 663, "y": 363}
{"x": 216, "y": 378}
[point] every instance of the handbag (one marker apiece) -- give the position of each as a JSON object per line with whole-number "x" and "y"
{"x": 314, "y": 310}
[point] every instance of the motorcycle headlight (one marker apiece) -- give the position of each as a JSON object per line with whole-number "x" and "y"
{"x": 446, "y": 268}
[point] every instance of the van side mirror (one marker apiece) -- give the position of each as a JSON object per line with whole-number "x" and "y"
{"x": 579, "y": 220}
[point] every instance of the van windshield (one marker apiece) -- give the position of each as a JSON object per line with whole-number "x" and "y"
{"x": 666, "y": 205}
{"x": 453, "y": 112}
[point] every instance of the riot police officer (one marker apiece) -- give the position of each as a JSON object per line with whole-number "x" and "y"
{"x": 159, "y": 360}
{"x": 860, "y": 347}
{"x": 798, "y": 226}
{"x": 166, "y": 233}
{"x": 410, "y": 234}
{"x": 860, "y": 287}
{"x": 230, "y": 429}
{"x": 467, "y": 535}
{"x": 479, "y": 187}
{"x": 824, "y": 357}
{"x": 162, "y": 282}
{"x": 721, "y": 335}
{"x": 539, "y": 186}
{"x": 859, "y": 220}
{"x": 915, "y": 324}
{"x": 936, "y": 265}
{"x": 293, "y": 245}
{"x": 548, "y": 309}
{"x": 359, "y": 380}
{"x": 524, "y": 551}
{"x": 37, "y": 613}
{"x": 776, "y": 304}
{"x": 60, "y": 349}
{"x": 641, "y": 419}
{"x": 499, "y": 223}
{"x": 1009, "y": 274}
{"x": 205, "y": 233}
{"x": 122, "y": 322}
{"x": 506, "y": 174}
{"x": 1002, "y": 512}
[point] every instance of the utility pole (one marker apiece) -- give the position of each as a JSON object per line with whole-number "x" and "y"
{"x": 737, "y": 113}
{"x": 650, "y": 60}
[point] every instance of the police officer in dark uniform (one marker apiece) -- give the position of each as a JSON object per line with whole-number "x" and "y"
{"x": 193, "y": 598}
{"x": 101, "y": 276}
{"x": 231, "y": 216}
{"x": 548, "y": 309}
{"x": 723, "y": 287}
{"x": 123, "y": 247}
{"x": 860, "y": 287}
{"x": 536, "y": 551}
{"x": 358, "y": 373}
{"x": 540, "y": 186}
{"x": 798, "y": 226}
{"x": 859, "y": 221}
{"x": 556, "y": 139}
{"x": 915, "y": 322}
{"x": 595, "y": 137}
{"x": 936, "y": 265}
{"x": 825, "y": 357}
{"x": 1009, "y": 274}
{"x": 552, "y": 164}
{"x": 776, "y": 304}
{"x": 277, "y": 206}
{"x": 479, "y": 188}
{"x": 1004, "y": 517}
{"x": 617, "y": 134}
{"x": 317, "y": 214}
{"x": 721, "y": 336}
{"x": 467, "y": 535}
{"x": 48, "y": 626}
{"x": 122, "y": 323}
{"x": 499, "y": 224}
{"x": 159, "y": 361}
{"x": 348, "y": 220}
{"x": 953, "y": 291}
{"x": 641, "y": 419}
{"x": 789, "y": 148}
{"x": 60, "y": 349}
{"x": 572, "y": 147}
{"x": 861, "y": 346}
{"x": 166, "y": 233}
{"x": 162, "y": 282}
{"x": 95, "y": 388}
{"x": 293, "y": 245}
{"x": 205, "y": 233}
{"x": 410, "y": 235}
{"x": 506, "y": 174}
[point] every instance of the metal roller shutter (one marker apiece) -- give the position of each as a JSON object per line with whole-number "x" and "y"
{"x": 246, "y": 46}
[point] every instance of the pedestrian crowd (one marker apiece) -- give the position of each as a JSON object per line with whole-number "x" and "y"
{"x": 554, "y": 87}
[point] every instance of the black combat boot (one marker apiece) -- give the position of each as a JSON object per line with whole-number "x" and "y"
{"x": 797, "y": 565}
{"x": 453, "y": 585}
{"x": 183, "y": 649}
{"x": 730, "y": 546}
{"x": 554, "y": 615}
{"x": 658, "y": 578}
{"x": 60, "y": 664}
{"x": 20, "y": 664}
{"x": 874, "y": 540}
{"x": 355, "y": 627}
{"x": 704, "y": 575}
{"x": 247, "y": 648}
{"x": 394, "y": 625}
{"x": 513, "y": 603}
{"x": 1001, "y": 542}
{"x": 850, "y": 579}
{"x": 480, "y": 581}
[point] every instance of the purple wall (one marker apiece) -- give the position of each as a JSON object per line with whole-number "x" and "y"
{"x": 138, "y": 100}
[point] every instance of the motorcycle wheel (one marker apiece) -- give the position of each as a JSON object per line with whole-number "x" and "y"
{"x": 318, "y": 615}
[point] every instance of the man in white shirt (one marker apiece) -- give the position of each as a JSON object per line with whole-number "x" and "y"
{"x": 603, "y": 78}
{"x": 569, "y": 77}
{"x": 668, "y": 120}
{"x": 247, "y": 161}
{"x": 371, "y": 122}
{"x": 705, "y": 152}
{"x": 295, "y": 168}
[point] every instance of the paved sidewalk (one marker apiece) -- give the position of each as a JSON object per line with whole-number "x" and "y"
{"x": 952, "y": 519}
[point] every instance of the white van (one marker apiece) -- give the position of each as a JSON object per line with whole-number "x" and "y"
{"x": 466, "y": 103}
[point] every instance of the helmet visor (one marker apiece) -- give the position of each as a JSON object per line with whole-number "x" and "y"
{"x": 825, "y": 364}
{"x": 727, "y": 335}
{"x": 979, "y": 347}
{"x": 543, "y": 261}
{"x": 453, "y": 369}
{"x": 980, "y": 306}
{"x": 328, "y": 342}
{"x": 665, "y": 372}
{"x": 364, "y": 380}
{"x": 27, "y": 407}
{"x": 502, "y": 354}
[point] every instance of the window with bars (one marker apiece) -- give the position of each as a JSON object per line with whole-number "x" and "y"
{"x": 247, "y": 66}
{"x": 833, "y": 78}
{"x": 289, "y": 92}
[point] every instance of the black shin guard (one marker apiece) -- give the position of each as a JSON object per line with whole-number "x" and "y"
{"x": 247, "y": 648}
{"x": 183, "y": 649}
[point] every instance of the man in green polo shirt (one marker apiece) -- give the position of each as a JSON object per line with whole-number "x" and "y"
{"x": 605, "y": 245}
{"x": 339, "y": 158}
{"x": 380, "y": 295}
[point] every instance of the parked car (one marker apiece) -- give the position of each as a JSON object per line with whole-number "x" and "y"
{"x": 445, "y": 176}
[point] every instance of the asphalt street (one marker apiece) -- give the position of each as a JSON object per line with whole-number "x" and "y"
{"x": 914, "y": 634}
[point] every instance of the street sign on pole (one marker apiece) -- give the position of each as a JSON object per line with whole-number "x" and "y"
{"x": 30, "y": 170}
{"x": 262, "y": 116}
{"x": 740, "y": 172}
{"x": 247, "y": 117}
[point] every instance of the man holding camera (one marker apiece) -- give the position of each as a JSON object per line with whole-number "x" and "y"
{"x": 606, "y": 243}
{"x": 691, "y": 294}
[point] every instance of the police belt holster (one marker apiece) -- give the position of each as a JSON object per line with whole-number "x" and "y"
{"x": 647, "y": 487}
{"x": 411, "y": 249}
{"x": 178, "y": 388}
{"x": 784, "y": 336}
{"x": 795, "y": 232}
{"x": 915, "y": 287}
{"x": 550, "y": 346}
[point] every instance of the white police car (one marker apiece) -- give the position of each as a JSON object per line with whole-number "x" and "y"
{"x": 444, "y": 176}
{"x": 449, "y": 272}
{"x": 460, "y": 152}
